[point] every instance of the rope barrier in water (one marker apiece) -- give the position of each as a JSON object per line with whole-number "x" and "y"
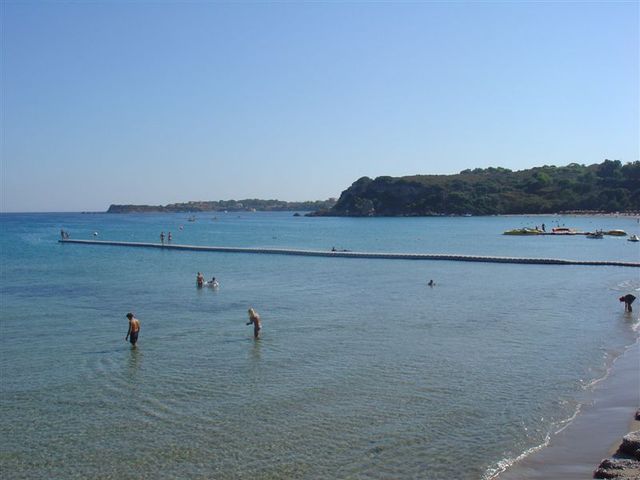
{"x": 350, "y": 254}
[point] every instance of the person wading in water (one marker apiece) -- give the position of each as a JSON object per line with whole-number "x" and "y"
{"x": 257, "y": 325}
{"x": 134, "y": 329}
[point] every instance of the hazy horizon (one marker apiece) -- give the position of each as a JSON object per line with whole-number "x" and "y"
{"x": 173, "y": 102}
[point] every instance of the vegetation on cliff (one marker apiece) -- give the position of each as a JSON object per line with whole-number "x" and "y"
{"x": 609, "y": 187}
{"x": 228, "y": 205}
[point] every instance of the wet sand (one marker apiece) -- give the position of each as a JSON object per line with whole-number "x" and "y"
{"x": 595, "y": 433}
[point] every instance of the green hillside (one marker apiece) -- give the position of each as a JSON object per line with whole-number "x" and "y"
{"x": 607, "y": 187}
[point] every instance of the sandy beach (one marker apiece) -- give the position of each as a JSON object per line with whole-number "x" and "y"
{"x": 595, "y": 433}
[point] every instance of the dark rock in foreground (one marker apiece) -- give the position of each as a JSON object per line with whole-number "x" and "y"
{"x": 625, "y": 464}
{"x": 631, "y": 445}
{"x": 624, "y": 469}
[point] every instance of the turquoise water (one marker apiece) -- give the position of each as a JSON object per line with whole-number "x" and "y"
{"x": 362, "y": 371}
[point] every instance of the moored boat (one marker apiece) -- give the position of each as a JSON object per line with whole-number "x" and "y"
{"x": 633, "y": 238}
{"x": 616, "y": 233}
{"x": 523, "y": 231}
{"x": 595, "y": 235}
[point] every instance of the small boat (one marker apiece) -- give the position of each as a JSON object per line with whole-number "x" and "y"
{"x": 192, "y": 218}
{"x": 595, "y": 235}
{"x": 633, "y": 238}
{"x": 616, "y": 233}
{"x": 522, "y": 231}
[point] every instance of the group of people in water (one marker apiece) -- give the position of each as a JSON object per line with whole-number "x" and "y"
{"x": 201, "y": 282}
{"x": 254, "y": 317}
{"x": 134, "y": 323}
{"x": 134, "y": 326}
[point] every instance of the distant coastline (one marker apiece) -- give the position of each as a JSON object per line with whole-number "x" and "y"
{"x": 600, "y": 189}
{"x": 247, "y": 205}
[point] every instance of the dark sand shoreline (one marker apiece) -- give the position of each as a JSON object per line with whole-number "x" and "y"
{"x": 595, "y": 433}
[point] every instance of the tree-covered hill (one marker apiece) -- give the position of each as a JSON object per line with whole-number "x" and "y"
{"x": 608, "y": 187}
{"x": 228, "y": 205}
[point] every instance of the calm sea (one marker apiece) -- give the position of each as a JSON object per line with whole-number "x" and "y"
{"x": 363, "y": 371}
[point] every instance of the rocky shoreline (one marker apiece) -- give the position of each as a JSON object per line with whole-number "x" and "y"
{"x": 625, "y": 463}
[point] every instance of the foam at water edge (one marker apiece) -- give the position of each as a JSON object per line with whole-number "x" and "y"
{"x": 493, "y": 473}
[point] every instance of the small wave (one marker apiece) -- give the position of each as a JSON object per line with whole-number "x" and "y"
{"x": 592, "y": 383}
{"x": 627, "y": 285}
{"x": 494, "y": 472}
{"x": 611, "y": 360}
{"x": 565, "y": 423}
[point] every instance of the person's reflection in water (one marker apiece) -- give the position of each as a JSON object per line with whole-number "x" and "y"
{"x": 255, "y": 377}
{"x": 256, "y": 351}
{"x": 133, "y": 365}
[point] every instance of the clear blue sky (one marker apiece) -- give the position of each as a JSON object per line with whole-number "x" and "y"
{"x": 159, "y": 102}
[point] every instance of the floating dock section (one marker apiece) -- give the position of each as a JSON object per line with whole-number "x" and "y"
{"x": 349, "y": 254}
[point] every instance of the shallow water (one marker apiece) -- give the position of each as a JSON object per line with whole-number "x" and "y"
{"x": 362, "y": 372}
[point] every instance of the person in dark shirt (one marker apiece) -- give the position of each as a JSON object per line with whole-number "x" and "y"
{"x": 628, "y": 300}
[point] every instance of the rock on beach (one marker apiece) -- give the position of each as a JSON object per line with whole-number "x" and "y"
{"x": 625, "y": 464}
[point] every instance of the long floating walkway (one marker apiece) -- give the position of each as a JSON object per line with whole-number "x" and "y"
{"x": 349, "y": 254}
